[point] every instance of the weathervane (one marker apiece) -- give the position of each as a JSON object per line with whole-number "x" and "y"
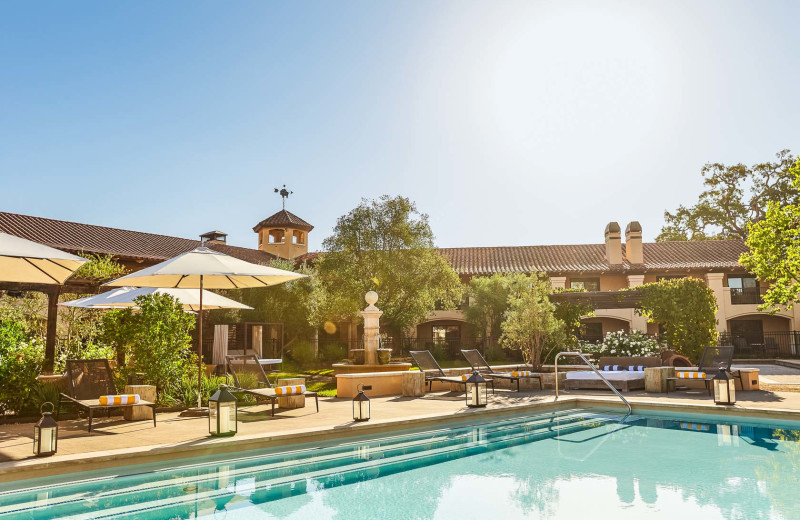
{"x": 284, "y": 194}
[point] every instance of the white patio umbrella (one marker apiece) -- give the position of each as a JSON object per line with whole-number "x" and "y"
{"x": 125, "y": 296}
{"x": 24, "y": 261}
{"x": 205, "y": 268}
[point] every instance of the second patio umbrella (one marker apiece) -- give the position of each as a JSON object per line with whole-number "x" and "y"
{"x": 205, "y": 268}
{"x": 126, "y": 296}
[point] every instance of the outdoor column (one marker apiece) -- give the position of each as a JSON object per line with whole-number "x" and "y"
{"x": 715, "y": 283}
{"x": 637, "y": 322}
{"x": 372, "y": 328}
{"x": 558, "y": 282}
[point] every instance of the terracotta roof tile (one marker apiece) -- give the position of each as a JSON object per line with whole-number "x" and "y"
{"x": 77, "y": 238}
{"x": 591, "y": 257}
{"x": 283, "y": 218}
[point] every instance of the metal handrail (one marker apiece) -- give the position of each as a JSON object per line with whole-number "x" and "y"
{"x": 590, "y": 365}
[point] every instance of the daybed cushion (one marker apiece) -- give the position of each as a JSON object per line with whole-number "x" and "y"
{"x": 622, "y": 375}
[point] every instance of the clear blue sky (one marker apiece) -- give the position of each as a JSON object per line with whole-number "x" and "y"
{"x": 509, "y": 123}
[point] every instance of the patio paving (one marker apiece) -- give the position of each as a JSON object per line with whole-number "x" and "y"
{"x": 114, "y": 433}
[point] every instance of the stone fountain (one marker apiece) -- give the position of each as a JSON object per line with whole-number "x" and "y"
{"x": 375, "y": 358}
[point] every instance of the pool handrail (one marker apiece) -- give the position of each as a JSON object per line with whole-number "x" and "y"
{"x": 590, "y": 365}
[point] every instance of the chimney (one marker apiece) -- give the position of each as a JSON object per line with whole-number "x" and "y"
{"x": 613, "y": 244}
{"x": 213, "y": 237}
{"x": 633, "y": 243}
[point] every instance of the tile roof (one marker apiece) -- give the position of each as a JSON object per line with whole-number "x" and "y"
{"x": 659, "y": 256}
{"x": 283, "y": 218}
{"x": 77, "y": 238}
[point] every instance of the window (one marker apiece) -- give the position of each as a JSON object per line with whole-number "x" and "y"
{"x": 587, "y": 284}
{"x": 742, "y": 282}
{"x": 744, "y": 290}
{"x": 446, "y": 332}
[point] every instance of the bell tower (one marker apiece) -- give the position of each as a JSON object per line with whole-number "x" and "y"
{"x": 283, "y": 234}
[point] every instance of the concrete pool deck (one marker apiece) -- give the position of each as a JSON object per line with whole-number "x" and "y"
{"x": 115, "y": 442}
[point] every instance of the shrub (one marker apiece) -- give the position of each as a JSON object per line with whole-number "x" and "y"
{"x": 303, "y": 353}
{"x": 624, "y": 344}
{"x": 157, "y": 337}
{"x": 185, "y": 392}
{"x": 21, "y": 359}
{"x": 496, "y": 354}
{"x": 332, "y": 352}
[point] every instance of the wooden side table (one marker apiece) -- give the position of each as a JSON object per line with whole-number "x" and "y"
{"x": 292, "y": 401}
{"x": 140, "y": 413}
{"x": 414, "y": 383}
{"x": 749, "y": 379}
{"x": 655, "y": 379}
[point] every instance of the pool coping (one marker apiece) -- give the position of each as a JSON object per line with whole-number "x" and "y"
{"x": 60, "y": 465}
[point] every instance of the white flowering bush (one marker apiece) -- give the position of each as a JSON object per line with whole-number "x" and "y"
{"x": 624, "y": 344}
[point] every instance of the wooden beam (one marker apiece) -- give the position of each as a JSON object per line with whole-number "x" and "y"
{"x": 52, "y": 321}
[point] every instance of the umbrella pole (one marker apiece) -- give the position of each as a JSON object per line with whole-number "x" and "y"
{"x": 200, "y": 350}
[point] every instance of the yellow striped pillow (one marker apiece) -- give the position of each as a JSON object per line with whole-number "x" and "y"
{"x": 691, "y": 375}
{"x": 116, "y": 400}
{"x": 521, "y": 373}
{"x": 290, "y": 390}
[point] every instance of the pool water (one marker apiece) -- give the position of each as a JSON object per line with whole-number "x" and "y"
{"x": 564, "y": 464}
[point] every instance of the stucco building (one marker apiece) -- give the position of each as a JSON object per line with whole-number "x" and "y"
{"x": 619, "y": 261}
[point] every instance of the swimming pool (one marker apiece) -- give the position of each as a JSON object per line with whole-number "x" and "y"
{"x": 564, "y": 464}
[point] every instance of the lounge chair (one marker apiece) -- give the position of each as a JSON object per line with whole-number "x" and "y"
{"x": 249, "y": 364}
{"x": 89, "y": 379}
{"x": 477, "y": 362}
{"x": 713, "y": 360}
{"x": 433, "y": 372}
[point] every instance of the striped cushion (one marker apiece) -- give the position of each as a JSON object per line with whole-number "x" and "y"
{"x": 290, "y": 390}
{"x": 521, "y": 373}
{"x": 691, "y": 375}
{"x": 637, "y": 368}
{"x": 464, "y": 377}
{"x": 612, "y": 368}
{"x": 111, "y": 400}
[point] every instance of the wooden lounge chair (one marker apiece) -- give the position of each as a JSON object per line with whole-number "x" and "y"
{"x": 477, "y": 362}
{"x": 88, "y": 380}
{"x": 249, "y": 364}
{"x": 713, "y": 360}
{"x": 433, "y": 372}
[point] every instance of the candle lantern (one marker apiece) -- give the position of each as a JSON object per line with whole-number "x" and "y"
{"x": 476, "y": 390}
{"x": 724, "y": 388}
{"x": 45, "y": 433}
{"x": 222, "y": 413}
{"x": 361, "y": 404}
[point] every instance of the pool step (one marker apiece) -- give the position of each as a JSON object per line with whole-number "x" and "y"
{"x": 271, "y": 477}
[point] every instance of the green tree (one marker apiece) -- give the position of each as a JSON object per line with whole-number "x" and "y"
{"x": 488, "y": 301}
{"x": 735, "y": 195}
{"x": 686, "y": 310}
{"x": 157, "y": 337}
{"x": 530, "y": 323}
{"x": 297, "y": 304}
{"x": 774, "y": 254}
{"x": 386, "y": 245}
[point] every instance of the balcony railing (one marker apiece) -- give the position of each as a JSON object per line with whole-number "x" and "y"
{"x": 749, "y": 295}
{"x": 769, "y": 345}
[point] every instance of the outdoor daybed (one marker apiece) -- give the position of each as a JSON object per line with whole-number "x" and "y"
{"x": 624, "y": 373}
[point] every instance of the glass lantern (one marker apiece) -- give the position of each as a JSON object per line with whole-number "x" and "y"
{"x": 476, "y": 391}
{"x": 724, "y": 388}
{"x": 361, "y": 404}
{"x": 222, "y": 413}
{"x": 45, "y": 433}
